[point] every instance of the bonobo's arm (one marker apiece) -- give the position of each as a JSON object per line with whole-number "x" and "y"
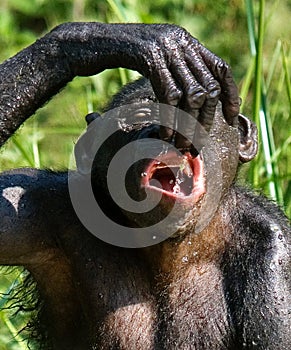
{"x": 181, "y": 70}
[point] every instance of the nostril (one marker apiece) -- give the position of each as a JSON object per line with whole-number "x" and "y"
{"x": 154, "y": 135}
{"x": 152, "y": 132}
{"x": 166, "y": 134}
{"x": 191, "y": 149}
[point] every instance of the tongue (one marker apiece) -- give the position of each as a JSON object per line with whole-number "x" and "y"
{"x": 177, "y": 180}
{"x": 165, "y": 177}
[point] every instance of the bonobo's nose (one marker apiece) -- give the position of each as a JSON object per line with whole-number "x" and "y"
{"x": 154, "y": 132}
{"x": 151, "y": 132}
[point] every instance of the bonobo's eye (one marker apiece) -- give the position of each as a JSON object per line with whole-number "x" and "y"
{"x": 91, "y": 117}
{"x": 136, "y": 112}
{"x": 141, "y": 113}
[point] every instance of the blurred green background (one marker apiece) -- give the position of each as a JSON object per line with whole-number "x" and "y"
{"x": 253, "y": 36}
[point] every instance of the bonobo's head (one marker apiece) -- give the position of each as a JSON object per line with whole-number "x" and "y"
{"x": 140, "y": 180}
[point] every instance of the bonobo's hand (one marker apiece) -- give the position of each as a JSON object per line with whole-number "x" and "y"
{"x": 181, "y": 70}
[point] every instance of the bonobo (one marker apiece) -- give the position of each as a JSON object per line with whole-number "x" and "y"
{"x": 219, "y": 277}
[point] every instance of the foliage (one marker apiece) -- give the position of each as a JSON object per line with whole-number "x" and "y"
{"x": 228, "y": 28}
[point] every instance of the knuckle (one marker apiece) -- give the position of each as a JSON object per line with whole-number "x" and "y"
{"x": 175, "y": 29}
{"x": 196, "y": 97}
{"x": 225, "y": 65}
{"x": 213, "y": 90}
{"x": 176, "y": 34}
{"x": 173, "y": 96}
{"x": 224, "y": 68}
{"x": 197, "y": 100}
{"x": 233, "y": 110}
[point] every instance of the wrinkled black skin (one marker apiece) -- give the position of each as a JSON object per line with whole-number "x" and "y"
{"x": 233, "y": 292}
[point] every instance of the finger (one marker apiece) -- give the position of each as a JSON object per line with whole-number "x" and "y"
{"x": 168, "y": 122}
{"x": 184, "y": 137}
{"x": 190, "y": 134}
{"x": 200, "y": 90}
{"x": 164, "y": 86}
{"x": 193, "y": 92}
{"x": 191, "y": 102}
{"x": 168, "y": 93}
{"x": 210, "y": 85}
{"x": 229, "y": 91}
{"x": 230, "y": 98}
{"x": 200, "y": 97}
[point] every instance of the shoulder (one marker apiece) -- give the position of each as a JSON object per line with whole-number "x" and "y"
{"x": 259, "y": 209}
{"x": 31, "y": 186}
{"x": 255, "y": 217}
{"x": 32, "y": 178}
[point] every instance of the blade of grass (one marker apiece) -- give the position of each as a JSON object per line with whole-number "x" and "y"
{"x": 118, "y": 10}
{"x": 261, "y": 116}
{"x": 274, "y": 63}
{"x": 24, "y": 153}
{"x": 35, "y": 145}
{"x": 277, "y": 91}
{"x": 287, "y": 75}
{"x": 251, "y": 26}
{"x": 5, "y": 319}
{"x": 259, "y": 63}
{"x": 254, "y": 169}
{"x": 245, "y": 88}
{"x": 14, "y": 333}
{"x": 271, "y": 167}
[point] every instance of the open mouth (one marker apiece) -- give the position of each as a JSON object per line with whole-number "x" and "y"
{"x": 176, "y": 176}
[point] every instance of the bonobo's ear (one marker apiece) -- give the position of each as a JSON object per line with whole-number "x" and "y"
{"x": 84, "y": 148}
{"x": 248, "y": 139}
{"x": 91, "y": 116}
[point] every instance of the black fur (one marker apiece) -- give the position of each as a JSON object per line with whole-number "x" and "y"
{"x": 224, "y": 288}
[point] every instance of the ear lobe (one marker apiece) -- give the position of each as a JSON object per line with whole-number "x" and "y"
{"x": 248, "y": 137}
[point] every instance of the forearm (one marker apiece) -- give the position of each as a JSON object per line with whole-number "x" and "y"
{"x": 90, "y": 48}
{"x": 28, "y": 80}
{"x": 34, "y": 75}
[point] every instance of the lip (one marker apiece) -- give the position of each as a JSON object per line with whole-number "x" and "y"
{"x": 179, "y": 177}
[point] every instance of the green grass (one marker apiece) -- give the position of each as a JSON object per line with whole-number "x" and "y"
{"x": 269, "y": 83}
{"x": 253, "y": 37}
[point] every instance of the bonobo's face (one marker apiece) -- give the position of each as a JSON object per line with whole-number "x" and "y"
{"x": 187, "y": 185}
{"x": 153, "y": 183}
